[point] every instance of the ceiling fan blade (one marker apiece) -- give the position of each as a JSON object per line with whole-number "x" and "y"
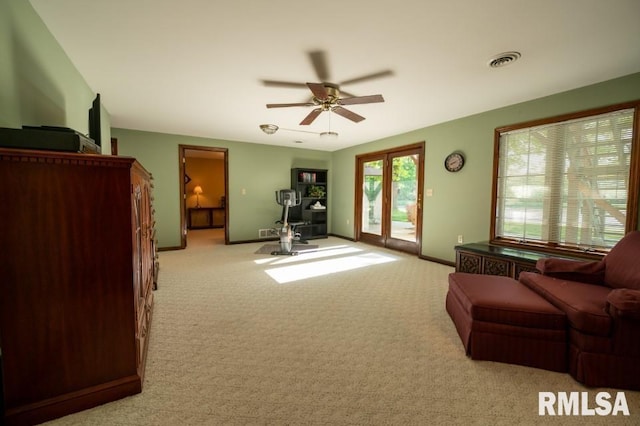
{"x": 368, "y": 77}
{"x": 318, "y": 90}
{"x": 276, "y": 83}
{"x": 371, "y": 99}
{"x": 347, "y": 114}
{"x": 290, "y": 105}
{"x": 319, "y": 62}
{"x": 312, "y": 116}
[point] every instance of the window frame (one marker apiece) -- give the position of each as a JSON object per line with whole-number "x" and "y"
{"x": 633, "y": 196}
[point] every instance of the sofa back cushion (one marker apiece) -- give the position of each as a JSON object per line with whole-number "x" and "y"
{"x": 622, "y": 264}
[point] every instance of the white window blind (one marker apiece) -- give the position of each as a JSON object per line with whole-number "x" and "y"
{"x": 566, "y": 183}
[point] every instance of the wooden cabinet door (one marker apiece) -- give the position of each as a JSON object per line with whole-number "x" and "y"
{"x": 136, "y": 224}
{"x": 143, "y": 259}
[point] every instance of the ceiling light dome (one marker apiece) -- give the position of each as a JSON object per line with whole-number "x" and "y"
{"x": 269, "y": 128}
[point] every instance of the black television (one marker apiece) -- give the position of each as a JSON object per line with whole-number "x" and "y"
{"x": 94, "y": 121}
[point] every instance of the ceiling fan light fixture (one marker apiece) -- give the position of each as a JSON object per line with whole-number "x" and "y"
{"x": 504, "y": 59}
{"x": 329, "y": 135}
{"x": 269, "y": 128}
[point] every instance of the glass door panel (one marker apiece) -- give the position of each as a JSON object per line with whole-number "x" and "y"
{"x": 404, "y": 197}
{"x": 372, "y": 197}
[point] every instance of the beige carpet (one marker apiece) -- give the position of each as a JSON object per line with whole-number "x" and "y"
{"x": 348, "y": 335}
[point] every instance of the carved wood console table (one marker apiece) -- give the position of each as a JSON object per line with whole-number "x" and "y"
{"x": 490, "y": 259}
{"x": 205, "y": 217}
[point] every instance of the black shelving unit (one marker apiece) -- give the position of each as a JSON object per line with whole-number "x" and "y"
{"x": 306, "y": 181}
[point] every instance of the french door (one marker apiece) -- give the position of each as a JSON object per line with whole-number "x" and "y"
{"x": 389, "y": 198}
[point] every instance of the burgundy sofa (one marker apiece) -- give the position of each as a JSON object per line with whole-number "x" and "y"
{"x": 573, "y": 316}
{"x": 601, "y": 301}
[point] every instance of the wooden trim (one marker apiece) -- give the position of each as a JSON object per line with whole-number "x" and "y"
{"x": 270, "y": 240}
{"x": 357, "y": 220}
{"x": 261, "y": 240}
{"x": 73, "y": 402}
{"x": 114, "y": 146}
{"x": 494, "y": 183}
{"x": 437, "y": 260}
{"x": 170, "y": 248}
{"x": 414, "y": 146}
{"x": 342, "y": 236}
{"x": 57, "y": 157}
{"x": 634, "y": 175}
{"x": 357, "y": 206}
{"x": 594, "y": 255}
{"x": 569, "y": 116}
{"x": 181, "y": 196}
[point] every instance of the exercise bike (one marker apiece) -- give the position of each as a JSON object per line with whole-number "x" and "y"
{"x": 288, "y": 198}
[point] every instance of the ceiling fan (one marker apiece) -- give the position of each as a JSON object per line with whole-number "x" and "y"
{"x": 326, "y": 96}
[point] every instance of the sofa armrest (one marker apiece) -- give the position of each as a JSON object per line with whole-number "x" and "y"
{"x": 590, "y": 272}
{"x": 625, "y": 303}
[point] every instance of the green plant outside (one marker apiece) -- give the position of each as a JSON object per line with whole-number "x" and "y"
{"x": 399, "y": 216}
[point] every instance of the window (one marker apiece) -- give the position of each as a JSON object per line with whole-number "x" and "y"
{"x": 568, "y": 182}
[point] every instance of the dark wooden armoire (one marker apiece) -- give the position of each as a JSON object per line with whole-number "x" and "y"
{"x": 76, "y": 278}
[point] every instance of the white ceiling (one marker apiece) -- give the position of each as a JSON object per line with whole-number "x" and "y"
{"x": 196, "y": 67}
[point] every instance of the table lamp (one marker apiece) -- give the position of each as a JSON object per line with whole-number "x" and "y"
{"x": 197, "y": 190}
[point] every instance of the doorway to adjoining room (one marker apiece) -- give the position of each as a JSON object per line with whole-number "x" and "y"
{"x": 204, "y": 188}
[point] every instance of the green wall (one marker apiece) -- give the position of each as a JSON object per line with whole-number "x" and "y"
{"x": 461, "y": 202}
{"x": 259, "y": 170}
{"x": 40, "y": 86}
{"x": 38, "y": 83}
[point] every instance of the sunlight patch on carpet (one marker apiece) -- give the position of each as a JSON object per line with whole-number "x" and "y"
{"x": 309, "y": 255}
{"x": 302, "y": 271}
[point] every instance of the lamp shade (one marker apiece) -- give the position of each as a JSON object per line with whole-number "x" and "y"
{"x": 197, "y": 190}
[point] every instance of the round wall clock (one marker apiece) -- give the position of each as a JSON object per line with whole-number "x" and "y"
{"x": 454, "y": 162}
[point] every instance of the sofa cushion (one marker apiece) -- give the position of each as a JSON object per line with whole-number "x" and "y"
{"x": 591, "y": 272}
{"x": 584, "y": 304}
{"x": 624, "y": 302}
{"x": 621, "y": 264}
{"x": 503, "y": 300}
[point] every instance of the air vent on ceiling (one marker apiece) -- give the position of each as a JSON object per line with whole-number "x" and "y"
{"x": 504, "y": 59}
